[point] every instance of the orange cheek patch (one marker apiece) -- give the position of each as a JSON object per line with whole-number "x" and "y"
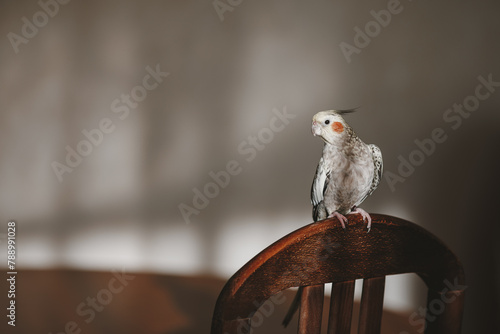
{"x": 337, "y": 127}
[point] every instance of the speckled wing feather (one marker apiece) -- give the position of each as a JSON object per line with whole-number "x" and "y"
{"x": 378, "y": 166}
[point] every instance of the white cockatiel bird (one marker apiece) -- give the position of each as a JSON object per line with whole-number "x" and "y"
{"x": 347, "y": 173}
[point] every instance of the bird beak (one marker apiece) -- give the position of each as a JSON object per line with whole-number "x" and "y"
{"x": 316, "y": 129}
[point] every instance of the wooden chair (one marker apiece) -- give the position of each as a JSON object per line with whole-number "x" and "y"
{"x": 323, "y": 252}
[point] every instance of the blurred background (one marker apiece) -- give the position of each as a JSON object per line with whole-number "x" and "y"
{"x": 100, "y": 68}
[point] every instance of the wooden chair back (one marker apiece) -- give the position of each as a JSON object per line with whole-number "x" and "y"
{"x": 323, "y": 252}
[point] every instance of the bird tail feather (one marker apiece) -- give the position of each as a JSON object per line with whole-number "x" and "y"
{"x": 293, "y": 307}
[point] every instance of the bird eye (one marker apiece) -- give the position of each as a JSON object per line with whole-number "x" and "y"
{"x": 327, "y": 122}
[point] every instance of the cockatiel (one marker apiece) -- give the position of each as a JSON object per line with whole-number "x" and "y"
{"x": 347, "y": 173}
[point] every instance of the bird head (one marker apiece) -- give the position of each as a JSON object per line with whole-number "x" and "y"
{"x": 329, "y": 125}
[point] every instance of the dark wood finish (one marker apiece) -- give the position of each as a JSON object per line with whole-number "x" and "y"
{"x": 240, "y": 326}
{"x": 311, "y": 307}
{"x": 443, "y": 310}
{"x": 372, "y": 305}
{"x": 341, "y": 302}
{"x": 323, "y": 252}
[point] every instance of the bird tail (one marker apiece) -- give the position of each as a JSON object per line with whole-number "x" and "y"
{"x": 293, "y": 307}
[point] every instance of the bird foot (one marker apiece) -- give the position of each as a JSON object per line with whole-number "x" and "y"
{"x": 342, "y": 219}
{"x": 365, "y": 215}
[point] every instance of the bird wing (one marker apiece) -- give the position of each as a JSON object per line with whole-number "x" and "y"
{"x": 320, "y": 183}
{"x": 377, "y": 175}
{"x": 378, "y": 164}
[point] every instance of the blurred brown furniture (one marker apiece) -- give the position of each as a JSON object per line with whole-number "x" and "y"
{"x": 50, "y": 302}
{"x": 69, "y": 301}
{"x": 323, "y": 252}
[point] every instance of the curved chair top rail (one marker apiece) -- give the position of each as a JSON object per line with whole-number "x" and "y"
{"x": 323, "y": 252}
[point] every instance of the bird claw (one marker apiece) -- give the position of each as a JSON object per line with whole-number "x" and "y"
{"x": 342, "y": 219}
{"x": 366, "y": 216}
